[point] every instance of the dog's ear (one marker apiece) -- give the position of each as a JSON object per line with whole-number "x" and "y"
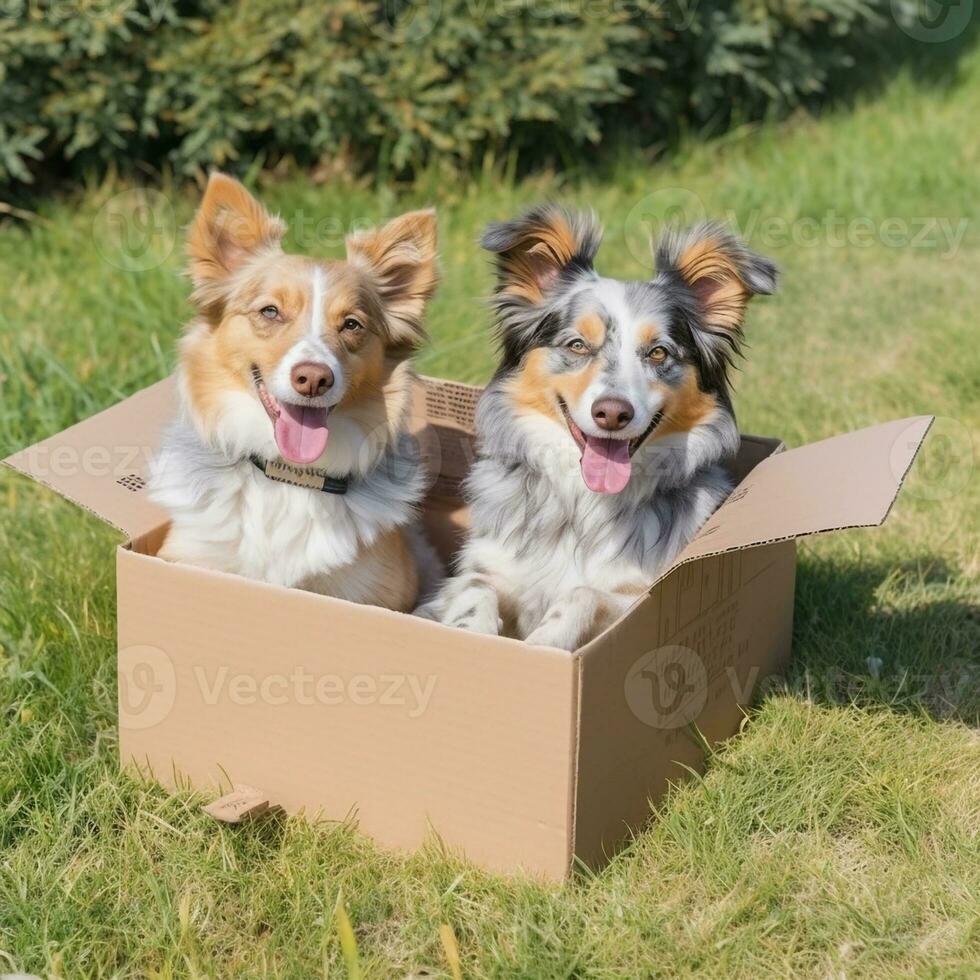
{"x": 534, "y": 250}
{"x": 721, "y": 274}
{"x": 230, "y": 226}
{"x": 401, "y": 259}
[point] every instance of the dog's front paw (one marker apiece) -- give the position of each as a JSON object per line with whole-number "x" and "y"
{"x": 553, "y": 632}
{"x": 475, "y": 616}
{"x": 429, "y": 610}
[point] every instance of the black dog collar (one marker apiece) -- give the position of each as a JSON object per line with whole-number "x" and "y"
{"x": 299, "y": 476}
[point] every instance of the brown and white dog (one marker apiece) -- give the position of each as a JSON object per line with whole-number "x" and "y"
{"x": 601, "y": 437}
{"x": 289, "y": 461}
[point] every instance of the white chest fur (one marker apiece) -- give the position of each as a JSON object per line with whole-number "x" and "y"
{"x": 229, "y": 516}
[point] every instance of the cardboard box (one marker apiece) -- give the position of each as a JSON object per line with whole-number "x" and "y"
{"x": 520, "y": 756}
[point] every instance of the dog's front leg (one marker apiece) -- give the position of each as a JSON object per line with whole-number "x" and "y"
{"x": 469, "y": 601}
{"x": 576, "y": 617}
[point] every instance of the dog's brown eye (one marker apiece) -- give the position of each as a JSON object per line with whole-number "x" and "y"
{"x": 351, "y": 323}
{"x": 658, "y": 355}
{"x": 270, "y": 312}
{"x": 578, "y": 347}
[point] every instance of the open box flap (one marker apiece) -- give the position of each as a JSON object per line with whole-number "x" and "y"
{"x": 846, "y": 481}
{"x": 102, "y": 463}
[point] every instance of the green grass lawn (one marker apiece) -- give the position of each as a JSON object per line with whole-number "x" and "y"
{"x": 837, "y": 835}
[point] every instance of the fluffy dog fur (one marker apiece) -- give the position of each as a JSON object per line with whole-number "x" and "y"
{"x": 261, "y": 313}
{"x": 572, "y": 522}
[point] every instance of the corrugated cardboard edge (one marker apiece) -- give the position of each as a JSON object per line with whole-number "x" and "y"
{"x": 573, "y": 789}
{"x": 911, "y": 463}
{"x": 575, "y": 733}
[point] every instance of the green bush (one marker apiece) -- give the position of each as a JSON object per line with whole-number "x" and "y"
{"x": 89, "y": 85}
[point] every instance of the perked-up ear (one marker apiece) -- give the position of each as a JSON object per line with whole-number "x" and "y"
{"x": 721, "y": 273}
{"x": 532, "y": 251}
{"x": 401, "y": 258}
{"x": 229, "y": 228}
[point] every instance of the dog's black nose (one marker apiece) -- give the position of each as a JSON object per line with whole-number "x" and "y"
{"x": 612, "y": 414}
{"x": 311, "y": 379}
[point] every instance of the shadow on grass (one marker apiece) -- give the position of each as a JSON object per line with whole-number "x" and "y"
{"x": 874, "y": 634}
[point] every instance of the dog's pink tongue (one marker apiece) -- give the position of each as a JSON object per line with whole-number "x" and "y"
{"x": 301, "y": 432}
{"x": 606, "y": 464}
